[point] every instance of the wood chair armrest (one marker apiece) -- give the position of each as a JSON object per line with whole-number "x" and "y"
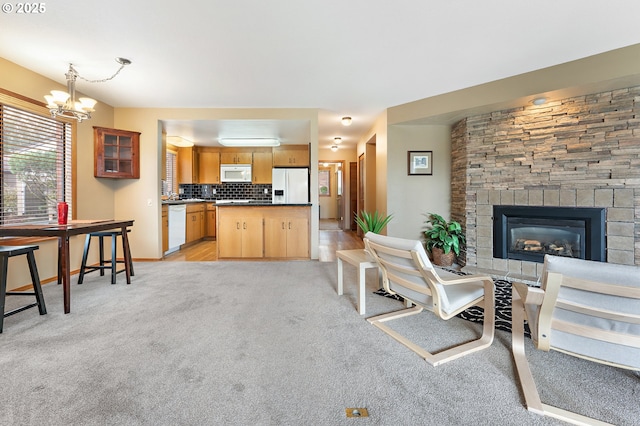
{"x": 464, "y": 279}
{"x": 529, "y": 295}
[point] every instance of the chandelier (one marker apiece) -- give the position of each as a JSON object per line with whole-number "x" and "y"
{"x": 64, "y": 104}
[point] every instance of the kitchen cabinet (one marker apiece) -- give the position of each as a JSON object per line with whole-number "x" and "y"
{"x": 240, "y": 233}
{"x": 261, "y": 167}
{"x": 187, "y": 165}
{"x": 165, "y": 228}
{"x": 291, "y": 156}
{"x": 195, "y": 222}
{"x": 210, "y": 221}
{"x": 263, "y": 232}
{"x": 208, "y": 166}
{"x": 286, "y": 232}
{"x": 235, "y": 156}
{"x": 116, "y": 153}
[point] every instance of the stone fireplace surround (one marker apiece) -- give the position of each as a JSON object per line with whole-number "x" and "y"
{"x": 575, "y": 152}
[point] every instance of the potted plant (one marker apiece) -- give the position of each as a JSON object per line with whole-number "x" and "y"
{"x": 372, "y": 222}
{"x": 444, "y": 239}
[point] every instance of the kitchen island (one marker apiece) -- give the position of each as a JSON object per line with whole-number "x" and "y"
{"x": 263, "y": 230}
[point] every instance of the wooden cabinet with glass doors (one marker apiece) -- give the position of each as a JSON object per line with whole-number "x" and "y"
{"x": 116, "y": 153}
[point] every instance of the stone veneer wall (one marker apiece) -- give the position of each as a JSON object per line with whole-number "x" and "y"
{"x": 582, "y": 151}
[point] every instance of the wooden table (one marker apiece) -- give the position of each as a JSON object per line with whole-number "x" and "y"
{"x": 362, "y": 261}
{"x": 63, "y": 232}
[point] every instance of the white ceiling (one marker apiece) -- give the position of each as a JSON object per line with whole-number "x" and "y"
{"x": 354, "y": 58}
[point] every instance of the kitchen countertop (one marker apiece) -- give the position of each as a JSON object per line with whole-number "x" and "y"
{"x": 261, "y": 203}
{"x": 233, "y": 204}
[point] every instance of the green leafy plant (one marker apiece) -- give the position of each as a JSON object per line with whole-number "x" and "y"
{"x": 445, "y": 235}
{"x": 372, "y": 222}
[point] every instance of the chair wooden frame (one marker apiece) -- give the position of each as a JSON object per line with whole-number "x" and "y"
{"x": 396, "y": 272}
{"x": 547, "y": 298}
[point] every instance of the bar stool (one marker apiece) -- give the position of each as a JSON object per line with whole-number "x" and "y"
{"x": 5, "y": 253}
{"x": 108, "y": 263}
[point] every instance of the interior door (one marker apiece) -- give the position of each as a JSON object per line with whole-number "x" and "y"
{"x": 353, "y": 194}
{"x": 361, "y": 188}
{"x": 339, "y": 177}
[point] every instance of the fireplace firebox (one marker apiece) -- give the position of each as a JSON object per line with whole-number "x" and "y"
{"x": 529, "y": 232}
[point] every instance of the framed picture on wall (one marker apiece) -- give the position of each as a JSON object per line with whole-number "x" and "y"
{"x": 420, "y": 163}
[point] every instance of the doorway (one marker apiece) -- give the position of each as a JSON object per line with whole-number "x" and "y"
{"x": 331, "y": 194}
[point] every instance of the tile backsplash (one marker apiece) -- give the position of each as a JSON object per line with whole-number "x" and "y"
{"x": 226, "y": 191}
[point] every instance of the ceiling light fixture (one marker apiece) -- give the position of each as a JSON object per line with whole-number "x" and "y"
{"x": 334, "y": 148}
{"x": 337, "y": 140}
{"x": 346, "y": 121}
{"x": 64, "y": 104}
{"x": 249, "y": 142}
{"x": 179, "y": 141}
{"x": 539, "y": 101}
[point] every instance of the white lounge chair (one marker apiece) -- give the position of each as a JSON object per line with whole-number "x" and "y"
{"x": 407, "y": 271}
{"x": 587, "y": 309}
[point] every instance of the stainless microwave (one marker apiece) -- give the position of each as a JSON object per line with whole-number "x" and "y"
{"x": 235, "y": 172}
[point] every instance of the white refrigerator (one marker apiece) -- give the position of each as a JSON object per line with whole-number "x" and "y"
{"x": 290, "y": 186}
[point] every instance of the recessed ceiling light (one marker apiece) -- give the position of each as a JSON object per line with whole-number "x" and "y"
{"x": 346, "y": 121}
{"x": 539, "y": 101}
{"x": 179, "y": 141}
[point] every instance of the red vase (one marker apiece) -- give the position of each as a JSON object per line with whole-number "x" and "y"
{"x": 63, "y": 213}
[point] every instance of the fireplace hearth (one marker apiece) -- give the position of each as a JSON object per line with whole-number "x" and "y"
{"x": 529, "y": 232}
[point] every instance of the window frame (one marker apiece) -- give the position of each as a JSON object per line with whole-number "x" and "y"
{"x": 18, "y": 101}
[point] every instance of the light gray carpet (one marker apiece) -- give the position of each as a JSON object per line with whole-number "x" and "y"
{"x": 266, "y": 343}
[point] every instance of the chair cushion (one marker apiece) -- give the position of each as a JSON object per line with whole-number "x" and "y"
{"x": 451, "y": 297}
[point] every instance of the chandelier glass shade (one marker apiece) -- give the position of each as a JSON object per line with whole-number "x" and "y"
{"x": 65, "y": 104}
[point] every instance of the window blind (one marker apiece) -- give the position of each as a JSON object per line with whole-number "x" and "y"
{"x": 171, "y": 183}
{"x": 35, "y": 151}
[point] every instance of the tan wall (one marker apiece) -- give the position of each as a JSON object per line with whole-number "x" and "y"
{"x": 411, "y": 198}
{"x": 94, "y": 197}
{"x": 374, "y": 145}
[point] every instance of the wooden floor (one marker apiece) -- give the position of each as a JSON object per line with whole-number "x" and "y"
{"x": 329, "y": 242}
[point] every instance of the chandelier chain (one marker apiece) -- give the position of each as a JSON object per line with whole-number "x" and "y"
{"x": 97, "y": 81}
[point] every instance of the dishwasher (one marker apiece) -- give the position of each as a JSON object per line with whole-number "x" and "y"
{"x": 177, "y": 226}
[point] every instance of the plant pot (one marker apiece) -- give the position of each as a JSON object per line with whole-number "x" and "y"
{"x": 441, "y": 259}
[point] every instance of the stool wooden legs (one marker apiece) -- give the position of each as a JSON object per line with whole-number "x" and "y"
{"x": 5, "y": 253}
{"x": 111, "y": 263}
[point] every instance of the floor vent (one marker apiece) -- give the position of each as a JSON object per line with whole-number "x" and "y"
{"x": 357, "y": 412}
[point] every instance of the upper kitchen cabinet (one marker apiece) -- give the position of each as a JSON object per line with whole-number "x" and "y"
{"x": 261, "y": 166}
{"x": 188, "y": 164}
{"x": 235, "y": 156}
{"x": 291, "y": 156}
{"x": 116, "y": 153}
{"x": 209, "y": 165}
